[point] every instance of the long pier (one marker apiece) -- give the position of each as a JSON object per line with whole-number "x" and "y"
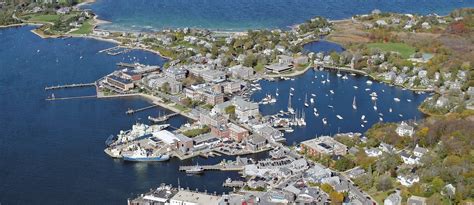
{"x": 162, "y": 118}
{"x": 214, "y": 167}
{"x": 115, "y": 50}
{"x": 71, "y": 98}
{"x": 132, "y": 111}
{"x": 75, "y": 85}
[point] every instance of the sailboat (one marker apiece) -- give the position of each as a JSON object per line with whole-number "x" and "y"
{"x": 276, "y": 93}
{"x": 311, "y": 100}
{"x": 354, "y": 106}
{"x": 375, "y": 106}
{"x": 290, "y": 109}
{"x": 325, "y": 122}
{"x": 327, "y": 78}
{"x": 306, "y": 101}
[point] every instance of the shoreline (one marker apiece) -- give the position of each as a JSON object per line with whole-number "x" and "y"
{"x": 151, "y": 99}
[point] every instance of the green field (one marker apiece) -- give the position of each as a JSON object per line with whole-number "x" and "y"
{"x": 405, "y": 50}
{"x": 86, "y": 28}
{"x": 44, "y": 18}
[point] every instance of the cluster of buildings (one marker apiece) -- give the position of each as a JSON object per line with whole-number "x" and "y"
{"x": 406, "y": 22}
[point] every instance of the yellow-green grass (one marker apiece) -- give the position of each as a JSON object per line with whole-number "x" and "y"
{"x": 405, "y": 50}
{"x": 86, "y": 28}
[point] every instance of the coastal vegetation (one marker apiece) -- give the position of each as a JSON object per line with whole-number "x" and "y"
{"x": 449, "y": 161}
{"x": 403, "y": 49}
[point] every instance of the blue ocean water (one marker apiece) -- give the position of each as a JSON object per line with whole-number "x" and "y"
{"x": 249, "y": 14}
{"x": 52, "y": 152}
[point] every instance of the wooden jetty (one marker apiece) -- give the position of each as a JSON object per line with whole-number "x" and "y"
{"x": 75, "y": 85}
{"x": 117, "y": 50}
{"x": 162, "y": 118}
{"x": 71, "y": 98}
{"x": 217, "y": 167}
{"x": 132, "y": 111}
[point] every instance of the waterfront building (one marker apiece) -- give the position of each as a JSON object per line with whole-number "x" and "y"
{"x": 324, "y": 145}
{"x": 237, "y": 133}
{"x": 177, "y": 141}
{"x": 120, "y": 83}
{"x": 284, "y": 59}
{"x": 269, "y": 132}
{"x": 301, "y": 60}
{"x": 231, "y": 87}
{"x": 241, "y": 72}
{"x": 131, "y": 75}
{"x": 245, "y": 110}
{"x": 186, "y": 197}
{"x": 158, "y": 196}
{"x": 256, "y": 142}
{"x": 278, "y": 68}
{"x": 184, "y": 143}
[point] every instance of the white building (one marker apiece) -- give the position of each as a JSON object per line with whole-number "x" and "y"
{"x": 185, "y": 197}
{"x": 405, "y": 130}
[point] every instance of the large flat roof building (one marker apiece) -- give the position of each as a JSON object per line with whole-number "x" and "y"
{"x": 185, "y": 197}
{"x": 324, "y": 145}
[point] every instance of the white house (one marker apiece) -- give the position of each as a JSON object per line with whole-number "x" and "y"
{"x": 408, "y": 180}
{"x": 405, "y": 130}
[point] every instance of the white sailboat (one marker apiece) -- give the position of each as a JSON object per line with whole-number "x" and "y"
{"x": 306, "y": 101}
{"x": 325, "y": 122}
{"x": 290, "y": 109}
{"x": 311, "y": 101}
{"x": 339, "y": 117}
{"x": 354, "y": 106}
{"x": 276, "y": 93}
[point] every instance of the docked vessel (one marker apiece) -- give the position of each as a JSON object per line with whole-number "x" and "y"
{"x": 141, "y": 155}
{"x": 195, "y": 170}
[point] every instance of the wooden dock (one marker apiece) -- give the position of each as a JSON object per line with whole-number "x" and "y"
{"x": 216, "y": 167}
{"x": 71, "y": 98}
{"x": 162, "y": 118}
{"x": 132, "y": 111}
{"x": 117, "y": 50}
{"x": 75, "y": 85}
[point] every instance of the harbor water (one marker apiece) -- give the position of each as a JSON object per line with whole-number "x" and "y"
{"x": 51, "y": 152}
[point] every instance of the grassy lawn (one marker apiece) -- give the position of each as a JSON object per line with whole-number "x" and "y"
{"x": 86, "y": 28}
{"x": 404, "y": 49}
{"x": 44, "y": 18}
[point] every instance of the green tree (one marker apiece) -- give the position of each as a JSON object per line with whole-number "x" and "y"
{"x": 437, "y": 184}
{"x": 343, "y": 164}
{"x": 165, "y": 87}
{"x": 384, "y": 183}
